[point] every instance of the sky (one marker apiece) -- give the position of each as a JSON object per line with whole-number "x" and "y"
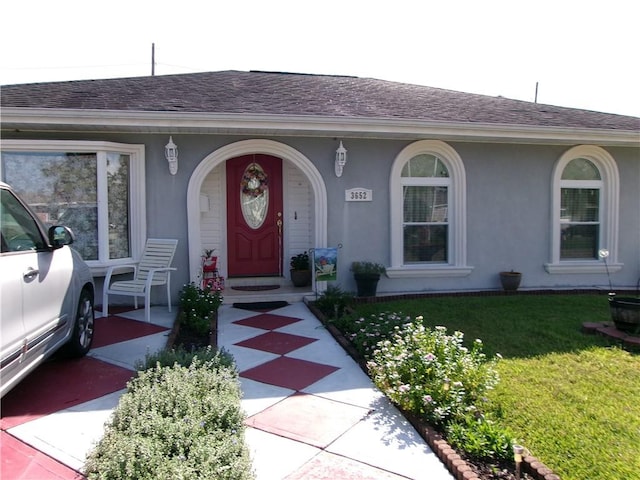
{"x": 579, "y": 53}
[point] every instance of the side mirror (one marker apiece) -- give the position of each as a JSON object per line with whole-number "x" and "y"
{"x": 60, "y": 236}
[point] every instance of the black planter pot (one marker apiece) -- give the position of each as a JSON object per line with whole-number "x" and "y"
{"x": 300, "y": 278}
{"x": 510, "y": 280}
{"x": 625, "y": 313}
{"x": 367, "y": 284}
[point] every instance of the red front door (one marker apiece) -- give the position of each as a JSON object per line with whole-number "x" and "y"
{"x": 254, "y": 218}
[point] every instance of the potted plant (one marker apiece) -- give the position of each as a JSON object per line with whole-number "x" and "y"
{"x": 510, "y": 280}
{"x": 367, "y": 274}
{"x": 625, "y": 311}
{"x": 300, "y": 270}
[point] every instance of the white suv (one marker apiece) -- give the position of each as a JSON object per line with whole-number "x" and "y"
{"x": 46, "y": 292}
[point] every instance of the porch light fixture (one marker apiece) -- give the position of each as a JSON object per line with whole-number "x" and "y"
{"x": 171, "y": 154}
{"x": 341, "y": 159}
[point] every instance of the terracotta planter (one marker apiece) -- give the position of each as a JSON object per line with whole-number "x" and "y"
{"x": 510, "y": 280}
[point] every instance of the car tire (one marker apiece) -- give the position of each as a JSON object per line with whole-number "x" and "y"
{"x": 83, "y": 328}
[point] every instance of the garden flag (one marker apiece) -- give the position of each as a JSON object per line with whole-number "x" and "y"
{"x": 325, "y": 262}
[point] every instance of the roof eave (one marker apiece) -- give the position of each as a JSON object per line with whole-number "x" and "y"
{"x": 81, "y": 120}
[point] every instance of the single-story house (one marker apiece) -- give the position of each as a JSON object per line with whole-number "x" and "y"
{"x": 444, "y": 188}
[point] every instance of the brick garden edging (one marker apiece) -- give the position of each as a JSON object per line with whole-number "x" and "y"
{"x": 458, "y": 467}
{"x": 608, "y": 330}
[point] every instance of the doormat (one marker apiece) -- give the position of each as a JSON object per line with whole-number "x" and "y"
{"x": 255, "y": 288}
{"x": 261, "y": 306}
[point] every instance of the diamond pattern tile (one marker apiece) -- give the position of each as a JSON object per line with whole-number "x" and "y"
{"x": 306, "y": 418}
{"x": 22, "y": 462}
{"x": 267, "y": 321}
{"x": 289, "y": 373}
{"x": 326, "y": 465}
{"x": 276, "y": 342}
{"x": 60, "y": 384}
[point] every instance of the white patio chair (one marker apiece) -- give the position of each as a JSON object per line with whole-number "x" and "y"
{"x": 152, "y": 270}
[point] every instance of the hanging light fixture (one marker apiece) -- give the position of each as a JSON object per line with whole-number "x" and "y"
{"x": 171, "y": 154}
{"x": 341, "y": 159}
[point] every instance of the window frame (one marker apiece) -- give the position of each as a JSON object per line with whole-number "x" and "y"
{"x": 609, "y": 185}
{"x": 456, "y": 265}
{"x": 137, "y": 205}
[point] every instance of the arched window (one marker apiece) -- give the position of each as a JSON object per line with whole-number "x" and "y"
{"x": 428, "y": 212}
{"x": 585, "y": 211}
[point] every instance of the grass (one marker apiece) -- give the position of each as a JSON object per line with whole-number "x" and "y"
{"x": 572, "y": 399}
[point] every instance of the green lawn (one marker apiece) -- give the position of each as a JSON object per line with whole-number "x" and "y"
{"x": 572, "y": 399}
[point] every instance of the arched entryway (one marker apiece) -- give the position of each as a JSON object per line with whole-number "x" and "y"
{"x": 198, "y": 204}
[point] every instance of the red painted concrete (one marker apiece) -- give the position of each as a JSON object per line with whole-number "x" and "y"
{"x": 267, "y": 321}
{"x": 276, "y": 342}
{"x": 289, "y": 373}
{"x": 21, "y": 462}
{"x": 309, "y": 419}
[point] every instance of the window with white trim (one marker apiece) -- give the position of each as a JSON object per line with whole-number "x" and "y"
{"x": 87, "y": 186}
{"x": 580, "y": 186}
{"x": 428, "y": 212}
{"x": 585, "y": 211}
{"x": 425, "y": 205}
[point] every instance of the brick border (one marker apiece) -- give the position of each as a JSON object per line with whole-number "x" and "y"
{"x": 608, "y": 330}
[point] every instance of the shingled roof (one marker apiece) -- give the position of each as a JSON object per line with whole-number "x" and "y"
{"x": 235, "y": 92}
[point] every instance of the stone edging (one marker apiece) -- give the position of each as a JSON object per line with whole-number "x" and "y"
{"x": 458, "y": 467}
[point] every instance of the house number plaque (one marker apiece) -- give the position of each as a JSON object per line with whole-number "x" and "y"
{"x": 358, "y": 195}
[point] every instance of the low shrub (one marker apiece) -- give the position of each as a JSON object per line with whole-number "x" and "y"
{"x": 197, "y": 306}
{"x": 480, "y": 437}
{"x": 434, "y": 376}
{"x": 334, "y": 301}
{"x": 365, "y": 334}
{"x": 430, "y": 373}
{"x": 176, "y": 421}
{"x": 216, "y": 359}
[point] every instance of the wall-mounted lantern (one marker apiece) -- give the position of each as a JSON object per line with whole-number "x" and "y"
{"x": 341, "y": 159}
{"x": 171, "y": 154}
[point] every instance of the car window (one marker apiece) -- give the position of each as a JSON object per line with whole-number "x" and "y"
{"x": 19, "y": 230}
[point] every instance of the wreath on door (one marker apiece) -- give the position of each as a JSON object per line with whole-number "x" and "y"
{"x": 254, "y": 181}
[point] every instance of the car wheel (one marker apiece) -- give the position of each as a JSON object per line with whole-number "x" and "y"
{"x": 83, "y": 329}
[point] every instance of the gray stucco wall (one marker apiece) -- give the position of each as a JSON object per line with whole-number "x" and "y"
{"x": 508, "y": 206}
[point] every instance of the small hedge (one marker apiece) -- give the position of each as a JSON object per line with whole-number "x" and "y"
{"x": 179, "y": 419}
{"x": 432, "y": 375}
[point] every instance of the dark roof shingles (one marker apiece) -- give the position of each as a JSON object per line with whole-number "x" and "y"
{"x": 300, "y": 94}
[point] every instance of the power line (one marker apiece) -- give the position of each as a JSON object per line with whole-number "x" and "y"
{"x": 73, "y": 67}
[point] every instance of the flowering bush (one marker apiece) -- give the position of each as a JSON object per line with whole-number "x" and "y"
{"x": 430, "y": 373}
{"x": 197, "y": 306}
{"x": 176, "y": 421}
{"x": 365, "y": 334}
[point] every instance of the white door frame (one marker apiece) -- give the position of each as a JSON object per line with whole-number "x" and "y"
{"x": 246, "y": 147}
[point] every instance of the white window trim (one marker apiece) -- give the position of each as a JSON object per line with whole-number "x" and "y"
{"x": 457, "y": 262}
{"x": 137, "y": 196}
{"x": 609, "y": 201}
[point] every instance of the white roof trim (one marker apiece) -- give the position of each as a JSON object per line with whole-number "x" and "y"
{"x": 45, "y": 119}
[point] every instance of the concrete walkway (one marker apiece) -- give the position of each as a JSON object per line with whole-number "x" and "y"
{"x": 312, "y": 412}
